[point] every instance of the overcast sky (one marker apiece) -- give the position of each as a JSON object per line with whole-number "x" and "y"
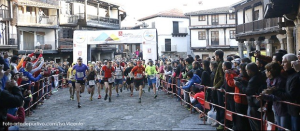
{"x": 141, "y": 8}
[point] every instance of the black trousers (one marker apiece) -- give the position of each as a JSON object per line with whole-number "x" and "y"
{"x": 220, "y": 111}
{"x": 241, "y": 123}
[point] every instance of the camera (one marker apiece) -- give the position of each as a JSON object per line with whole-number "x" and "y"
{"x": 252, "y": 53}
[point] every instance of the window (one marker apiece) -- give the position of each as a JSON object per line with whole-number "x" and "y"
{"x": 232, "y": 16}
{"x": 167, "y": 44}
{"x": 204, "y": 56}
{"x": 256, "y": 15}
{"x": 202, "y": 18}
{"x": 175, "y": 27}
{"x": 40, "y": 39}
{"x": 201, "y": 35}
{"x": 214, "y": 19}
{"x": 232, "y": 34}
{"x": 214, "y": 38}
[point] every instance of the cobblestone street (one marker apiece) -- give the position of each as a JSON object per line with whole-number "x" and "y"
{"x": 123, "y": 113}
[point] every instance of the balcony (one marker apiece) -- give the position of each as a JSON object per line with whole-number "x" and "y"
{"x": 170, "y": 48}
{"x": 65, "y": 44}
{"x": 40, "y": 3}
{"x": 181, "y": 32}
{"x": 69, "y": 20}
{"x": 258, "y": 27}
{"x": 98, "y": 21}
{"x": 33, "y": 20}
{"x": 48, "y": 45}
{"x": 4, "y": 15}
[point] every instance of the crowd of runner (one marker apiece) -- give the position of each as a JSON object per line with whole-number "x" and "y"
{"x": 270, "y": 79}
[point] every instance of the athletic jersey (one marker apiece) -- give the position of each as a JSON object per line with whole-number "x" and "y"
{"x": 71, "y": 74}
{"x": 127, "y": 71}
{"x": 119, "y": 72}
{"x": 138, "y": 72}
{"x": 151, "y": 71}
{"x": 108, "y": 71}
{"x": 80, "y": 71}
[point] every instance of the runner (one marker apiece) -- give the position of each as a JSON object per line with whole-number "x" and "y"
{"x": 70, "y": 76}
{"x": 138, "y": 72}
{"x": 99, "y": 84}
{"x": 91, "y": 81}
{"x": 151, "y": 75}
{"x": 118, "y": 78}
{"x": 145, "y": 79}
{"x": 80, "y": 78}
{"x": 108, "y": 79}
{"x": 129, "y": 77}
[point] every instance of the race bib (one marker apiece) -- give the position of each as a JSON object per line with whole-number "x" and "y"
{"x": 119, "y": 77}
{"x": 139, "y": 76}
{"x": 91, "y": 82}
{"x": 71, "y": 76}
{"x": 80, "y": 74}
{"x": 110, "y": 80}
{"x": 152, "y": 76}
{"x": 99, "y": 77}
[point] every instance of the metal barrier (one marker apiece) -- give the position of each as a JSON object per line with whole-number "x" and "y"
{"x": 228, "y": 114}
{"x": 44, "y": 88}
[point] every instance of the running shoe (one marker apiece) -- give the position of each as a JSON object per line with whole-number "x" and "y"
{"x": 144, "y": 91}
{"x": 140, "y": 100}
{"x": 118, "y": 95}
{"x": 155, "y": 96}
{"x": 121, "y": 89}
{"x": 79, "y": 105}
{"x": 109, "y": 99}
{"x": 148, "y": 89}
{"x": 91, "y": 98}
{"x": 131, "y": 95}
{"x": 99, "y": 97}
{"x": 71, "y": 98}
{"x": 105, "y": 98}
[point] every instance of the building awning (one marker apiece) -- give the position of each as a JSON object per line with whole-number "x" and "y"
{"x": 278, "y": 8}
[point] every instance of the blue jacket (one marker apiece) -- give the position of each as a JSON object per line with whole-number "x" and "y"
{"x": 29, "y": 76}
{"x": 195, "y": 79}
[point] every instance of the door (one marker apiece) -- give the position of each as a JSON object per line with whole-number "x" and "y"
{"x": 175, "y": 27}
{"x": 214, "y": 38}
{"x": 168, "y": 45}
{"x": 28, "y": 41}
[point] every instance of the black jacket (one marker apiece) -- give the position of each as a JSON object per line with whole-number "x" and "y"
{"x": 9, "y": 100}
{"x": 254, "y": 87}
{"x": 205, "y": 78}
{"x": 291, "y": 93}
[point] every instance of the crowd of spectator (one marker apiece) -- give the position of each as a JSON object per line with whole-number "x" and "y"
{"x": 25, "y": 84}
{"x": 268, "y": 83}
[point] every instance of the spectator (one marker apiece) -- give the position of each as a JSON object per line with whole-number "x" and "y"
{"x": 205, "y": 77}
{"x": 196, "y": 68}
{"x": 241, "y": 123}
{"x": 246, "y": 60}
{"x": 275, "y": 80}
{"x": 218, "y": 82}
{"x": 193, "y": 78}
{"x": 291, "y": 92}
{"x": 254, "y": 86}
{"x": 11, "y": 99}
{"x": 198, "y": 99}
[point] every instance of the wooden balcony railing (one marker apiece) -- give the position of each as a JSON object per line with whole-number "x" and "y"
{"x": 258, "y": 25}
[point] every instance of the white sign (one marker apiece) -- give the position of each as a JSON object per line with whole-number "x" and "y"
{"x": 146, "y": 37}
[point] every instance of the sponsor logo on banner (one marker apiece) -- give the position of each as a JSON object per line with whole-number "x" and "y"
{"x": 80, "y": 38}
{"x": 148, "y": 35}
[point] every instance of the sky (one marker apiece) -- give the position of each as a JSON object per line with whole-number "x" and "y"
{"x": 137, "y": 9}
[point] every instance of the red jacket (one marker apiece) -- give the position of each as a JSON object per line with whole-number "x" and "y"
{"x": 237, "y": 98}
{"x": 25, "y": 62}
{"x": 14, "y": 119}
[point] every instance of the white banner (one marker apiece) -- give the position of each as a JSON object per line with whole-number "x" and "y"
{"x": 146, "y": 37}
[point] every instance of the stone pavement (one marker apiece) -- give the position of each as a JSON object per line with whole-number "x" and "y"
{"x": 123, "y": 113}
